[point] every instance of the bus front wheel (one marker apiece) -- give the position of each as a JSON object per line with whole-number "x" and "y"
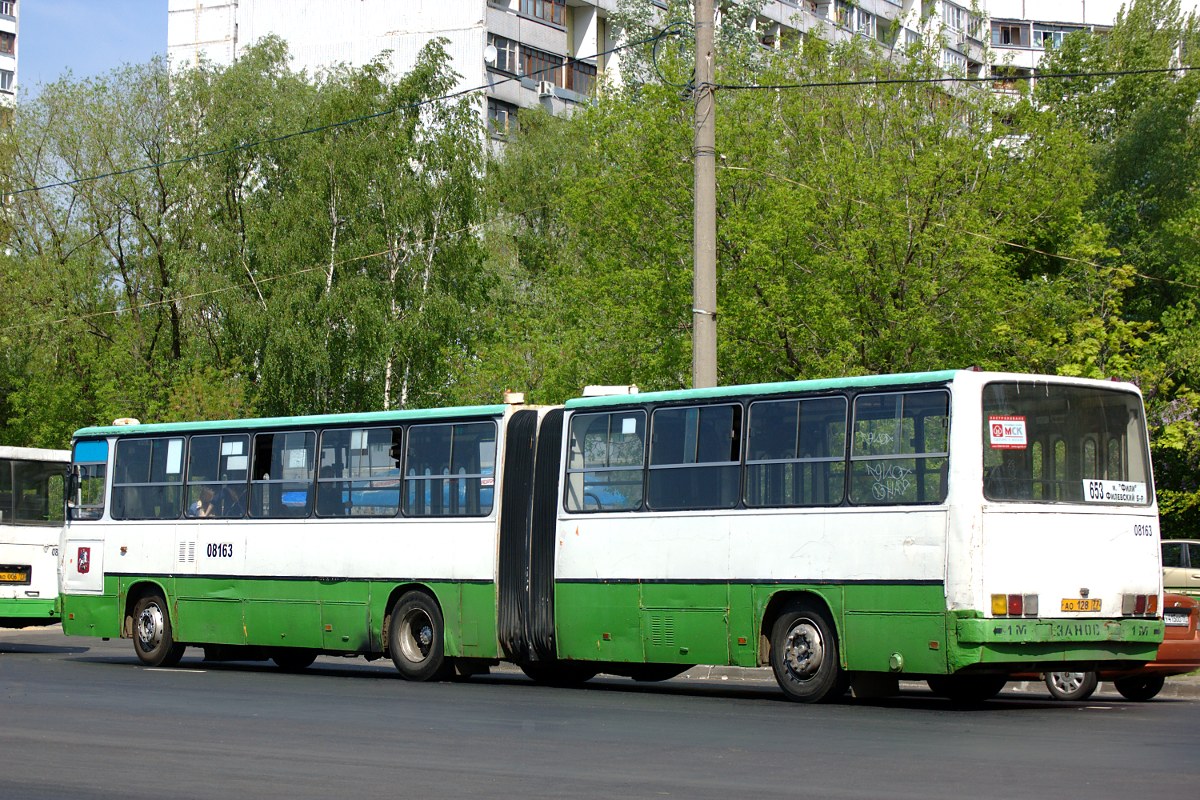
{"x": 804, "y": 655}
{"x": 153, "y": 640}
{"x": 417, "y": 639}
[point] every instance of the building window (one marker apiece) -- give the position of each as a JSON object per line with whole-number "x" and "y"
{"x": 1008, "y": 35}
{"x": 954, "y": 16}
{"x": 8, "y": 8}
{"x": 506, "y": 53}
{"x": 866, "y": 24}
{"x": 541, "y": 66}
{"x": 581, "y": 77}
{"x": 549, "y": 10}
{"x": 1049, "y": 37}
{"x": 6, "y": 80}
{"x": 502, "y": 117}
{"x": 843, "y": 13}
{"x": 8, "y": 43}
{"x": 954, "y": 62}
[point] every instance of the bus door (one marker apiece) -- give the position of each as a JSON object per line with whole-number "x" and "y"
{"x": 82, "y": 551}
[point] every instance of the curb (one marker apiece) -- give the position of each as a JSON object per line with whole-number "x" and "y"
{"x": 1180, "y": 686}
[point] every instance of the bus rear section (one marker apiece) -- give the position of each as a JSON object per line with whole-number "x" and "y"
{"x": 31, "y": 518}
{"x": 1068, "y": 574}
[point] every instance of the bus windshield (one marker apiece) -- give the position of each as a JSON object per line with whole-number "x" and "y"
{"x": 1054, "y": 443}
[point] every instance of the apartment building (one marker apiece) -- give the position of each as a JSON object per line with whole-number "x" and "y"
{"x": 550, "y": 53}
{"x": 8, "y": 57}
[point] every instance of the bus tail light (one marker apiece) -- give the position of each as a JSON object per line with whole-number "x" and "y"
{"x": 1139, "y": 604}
{"x": 1014, "y": 605}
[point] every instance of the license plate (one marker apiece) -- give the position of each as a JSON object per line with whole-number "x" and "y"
{"x": 1079, "y": 604}
{"x": 1174, "y": 617}
{"x": 14, "y": 577}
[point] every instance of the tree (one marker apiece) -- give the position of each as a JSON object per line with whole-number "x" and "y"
{"x": 860, "y": 229}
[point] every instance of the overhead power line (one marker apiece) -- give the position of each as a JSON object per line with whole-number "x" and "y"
{"x": 956, "y": 79}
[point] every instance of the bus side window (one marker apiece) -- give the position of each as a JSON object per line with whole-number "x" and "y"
{"x": 604, "y": 466}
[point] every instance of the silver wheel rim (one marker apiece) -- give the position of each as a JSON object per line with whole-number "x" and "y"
{"x": 1067, "y": 682}
{"x": 803, "y": 650}
{"x": 150, "y": 627}
{"x": 416, "y": 635}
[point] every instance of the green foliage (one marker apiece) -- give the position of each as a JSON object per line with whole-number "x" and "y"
{"x": 337, "y": 270}
{"x": 860, "y": 230}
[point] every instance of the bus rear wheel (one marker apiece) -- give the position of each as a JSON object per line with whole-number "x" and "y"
{"x": 153, "y": 640}
{"x": 804, "y": 655}
{"x": 417, "y": 639}
{"x": 293, "y": 659}
{"x": 559, "y": 673}
{"x": 1140, "y": 687}
{"x": 967, "y": 690}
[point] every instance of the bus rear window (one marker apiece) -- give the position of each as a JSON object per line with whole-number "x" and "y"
{"x": 1050, "y": 443}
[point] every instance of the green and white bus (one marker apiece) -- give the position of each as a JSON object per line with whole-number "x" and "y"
{"x": 954, "y": 527}
{"x": 32, "y": 482}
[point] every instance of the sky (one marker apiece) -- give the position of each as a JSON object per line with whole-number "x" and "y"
{"x": 87, "y": 37}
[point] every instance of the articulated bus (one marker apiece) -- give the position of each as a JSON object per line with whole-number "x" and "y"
{"x": 954, "y": 527}
{"x": 32, "y": 495}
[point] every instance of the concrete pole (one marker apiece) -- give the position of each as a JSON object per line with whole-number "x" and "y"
{"x": 704, "y": 240}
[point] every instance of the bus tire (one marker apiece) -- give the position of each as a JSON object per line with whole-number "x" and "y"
{"x": 967, "y": 690}
{"x": 1072, "y": 685}
{"x": 153, "y": 641}
{"x": 417, "y": 639}
{"x": 293, "y": 659}
{"x": 804, "y": 655}
{"x": 559, "y": 673}
{"x": 1140, "y": 687}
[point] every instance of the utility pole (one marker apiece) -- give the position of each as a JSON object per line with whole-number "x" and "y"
{"x": 704, "y": 236}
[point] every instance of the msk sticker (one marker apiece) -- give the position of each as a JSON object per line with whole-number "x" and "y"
{"x": 1007, "y": 433}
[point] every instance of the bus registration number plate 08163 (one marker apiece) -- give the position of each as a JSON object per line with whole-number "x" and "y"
{"x": 1080, "y": 604}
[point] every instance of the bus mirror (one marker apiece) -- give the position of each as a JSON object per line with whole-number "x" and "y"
{"x": 72, "y": 491}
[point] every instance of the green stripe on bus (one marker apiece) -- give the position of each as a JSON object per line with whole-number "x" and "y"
{"x": 27, "y": 608}
{"x": 331, "y": 615}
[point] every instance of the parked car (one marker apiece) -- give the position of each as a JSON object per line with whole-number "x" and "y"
{"x": 1177, "y": 655}
{"x": 1181, "y": 566}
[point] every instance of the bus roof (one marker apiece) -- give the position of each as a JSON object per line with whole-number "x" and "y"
{"x": 836, "y": 384}
{"x": 367, "y": 418}
{"x": 817, "y": 385}
{"x": 34, "y": 454}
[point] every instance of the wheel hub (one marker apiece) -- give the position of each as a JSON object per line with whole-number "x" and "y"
{"x": 804, "y": 651}
{"x": 150, "y": 627}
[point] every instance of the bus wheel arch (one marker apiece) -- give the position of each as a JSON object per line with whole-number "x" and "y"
{"x": 803, "y": 649}
{"x": 151, "y": 628}
{"x": 414, "y": 633}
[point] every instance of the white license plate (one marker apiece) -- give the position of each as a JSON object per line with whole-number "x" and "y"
{"x": 1173, "y": 617}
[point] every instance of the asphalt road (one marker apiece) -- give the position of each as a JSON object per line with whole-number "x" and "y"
{"x": 81, "y": 718}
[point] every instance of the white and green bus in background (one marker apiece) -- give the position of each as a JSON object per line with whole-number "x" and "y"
{"x": 955, "y": 527}
{"x": 32, "y": 496}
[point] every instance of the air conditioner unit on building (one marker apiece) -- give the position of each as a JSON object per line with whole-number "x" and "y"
{"x": 545, "y": 88}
